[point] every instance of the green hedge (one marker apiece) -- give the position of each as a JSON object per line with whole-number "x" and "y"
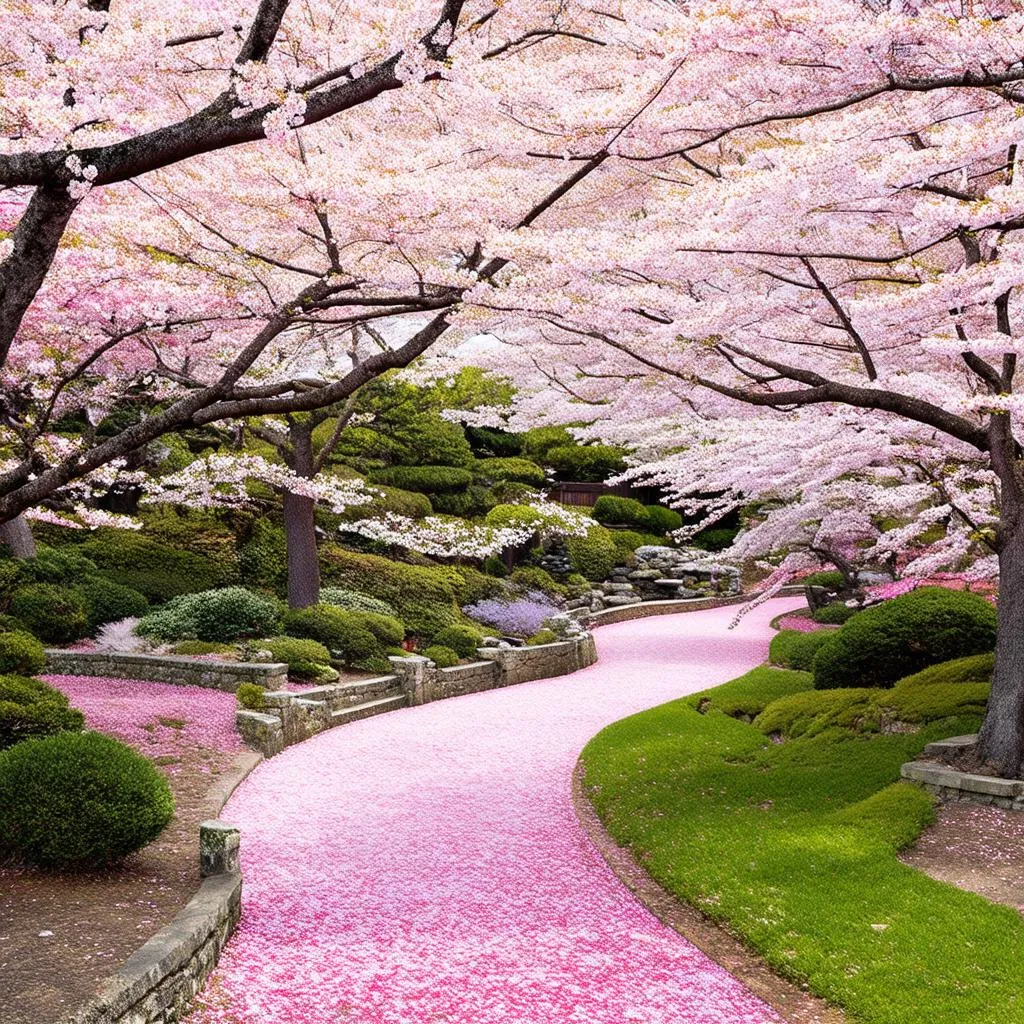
{"x": 353, "y": 601}
{"x": 880, "y": 645}
{"x": 424, "y": 479}
{"x": 791, "y": 648}
{"x": 342, "y": 633}
{"x": 227, "y": 614}
{"x": 518, "y": 470}
{"x": 977, "y": 668}
{"x": 80, "y": 800}
{"x": 53, "y": 613}
{"x": 834, "y": 614}
{"x": 464, "y": 640}
{"x": 305, "y": 658}
{"x": 620, "y": 511}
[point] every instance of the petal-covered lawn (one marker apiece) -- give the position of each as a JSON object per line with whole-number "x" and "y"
{"x": 426, "y": 867}
{"x": 158, "y": 719}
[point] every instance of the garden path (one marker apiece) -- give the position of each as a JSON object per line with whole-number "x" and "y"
{"x": 426, "y": 867}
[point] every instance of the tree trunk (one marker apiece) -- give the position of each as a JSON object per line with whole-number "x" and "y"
{"x": 303, "y": 562}
{"x": 300, "y": 524}
{"x": 1001, "y": 740}
{"x": 17, "y": 535}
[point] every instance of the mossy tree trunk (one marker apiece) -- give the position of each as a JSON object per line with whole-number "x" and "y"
{"x": 300, "y": 522}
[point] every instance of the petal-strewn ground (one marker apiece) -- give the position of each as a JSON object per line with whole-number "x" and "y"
{"x": 426, "y": 867}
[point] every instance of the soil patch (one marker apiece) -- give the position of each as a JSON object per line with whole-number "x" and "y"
{"x": 977, "y": 848}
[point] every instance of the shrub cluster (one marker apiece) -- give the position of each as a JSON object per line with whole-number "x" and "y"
{"x": 80, "y": 800}
{"x": 424, "y": 479}
{"x": 792, "y": 648}
{"x": 21, "y": 654}
{"x": 595, "y": 555}
{"x": 834, "y": 614}
{"x": 250, "y": 697}
{"x": 463, "y": 640}
{"x": 223, "y": 615}
{"x": 306, "y": 659}
{"x": 896, "y": 638}
{"x": 442, "y": 657}
{"x": 55, "y": 614}
{"x": 517, "y": 470}
{"x": 29, "y": 707}
{"x": 353, "y": 601}
{"x": 653, "y": 519}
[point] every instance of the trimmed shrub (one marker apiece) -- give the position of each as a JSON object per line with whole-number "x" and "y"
{"x": 305, "y": 658}
{"x": 263, "y": 559}
{"x": 54, "y": 614}
{"x": 397, "y": 583}
{"x": 225, "y": 615}
{"x": 43, "y": 718}
{"x": 390, "y": 499}
{"x": 17, "y": 689}
{"x": 157, "y": 571}
{"x": 442, "y": 657}
{"x": 21, "y": 654}
{"x": 80, "y": 800}
{"x": 621, "y": 511}
{"x": 661, "y": 520}
{"x": 386, "y": 628}
{"x": 463, "y": 640}
{"x": 477, "y": 585}
{"x": 977, "y": 668}
{"x": 532, "y": 577}
{"x": 250, "y": 697}
{"x": 56, "y": 565}
{"x": 353, "y": 601}
{"x": 813, "y": 711}
{"x": 595, "y": 555}
{"x": 716, "y": 538}
{"x": 882, "y": 644}
{"x": 493, "y": 441}
{"x": 106, "y": 601}
{"x": 791, "y": 648}
{"x": 591, "y": 462}
{"x": 194, "y": 647}
{"x": 542, "y": 636}
{"x": 510, "y": 469}
{"x": 424, "y": 479}
{"x": 834, "y": 614}
{"x": 340, "y": 632}
{"x": 830, "y": 579}
{"x": 494, "y": 566}
{"x": 627, "y": 541}
{"x": 425, "y": 619}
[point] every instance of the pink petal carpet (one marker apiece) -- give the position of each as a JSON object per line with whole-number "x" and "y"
{"x": 426, "y": 866}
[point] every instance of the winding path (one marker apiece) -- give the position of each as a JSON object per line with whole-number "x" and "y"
{"x": 426, "y": 867}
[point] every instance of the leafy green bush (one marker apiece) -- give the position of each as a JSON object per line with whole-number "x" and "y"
{"x": 57, "y": 565}
{"x": 156, "y": 570}
{"x": 29, "y": 707}
{"x": 830, "y": 579}
{"x": 519, "y": 470}
{"x": 532, "y": 577}
{"x": 815, "y": 711}
{"x": 494, "y": 566}
{"x": 491, "y": 441}
{"x": 397, "y": 583}
{"x": 476, "y": 585}
{"x": 18, "y": 689}
{"x": 977, "y": 668}
{"x": 388, "y": 630}
{"x": 425, "y": 619}
{"x": 882, "y": 644}
{"x": 353, "y": 601}
{"x": 661, "y": 520}
{"x": 390, "y": 499}
{"x": 591, "y": 462}
{"x": 340, "y": 632}
{"x": 263, "y": 558}
{"x": 542, "y": 636}
{"x": 194, "y": 647}
{"x": 21, "y": 654}
{"x": 463, "y": 640}
{"x": 442, "y": 657}
{"x": 305, "y": 658}
{"x": 716, "y": 538}
{"x": 595, "y": 555}
{"x": 226, "y": 614}
{"x": 106, "y": 601}
{"x": 834, "y": 614}
{"x": 621, "y": 512}
{"x": 791, "y": 648}
{"x": 250, "y": 697}
{"x": 52, "y": 613}
{"x": 424, "y": 479}
{"x": 474, "y": 501}
{"x": 80, "y": 800}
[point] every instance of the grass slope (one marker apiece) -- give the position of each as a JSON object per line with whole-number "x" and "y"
{"x": 794, "y": 846}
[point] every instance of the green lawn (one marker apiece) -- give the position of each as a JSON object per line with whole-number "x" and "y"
{"x": 794, "y": 845}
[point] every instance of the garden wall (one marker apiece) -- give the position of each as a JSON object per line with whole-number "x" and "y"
{"x": 166, "y": 668}
{"x": 292, "y": 717}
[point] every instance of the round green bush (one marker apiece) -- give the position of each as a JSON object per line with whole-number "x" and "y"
{"x": 716, "y": 538}
{"x": 54, "y": 614}
{"x": 425, "y": 619}
{"x": 19, "y": 689}
{"x": 21, "y": 653}
{"x": 661, "y": 520}
{"x": 224, "y": 615}
{"x": 305, "y": 657}
{"x": 594, "y": 555}
{"x": 388, "y": 630}
{"x": 80, "y": 800}
{"x": 424, "y": 479}
{"x": 830, "y": 579}
{"x": 442, "y": 657}
{"x": 106, "y": 601}
{"x": 510, "y": 469}
{"x": 620, "y": 511}
{"x": 880, "y": 645}
{"x": 353, "y": 601}
{"x": 586, "y": 463}
{"x": 250, "y": 697}
{"x": 792, "y": 648}
{"x": 463, "y": 640}
{"x": 57, "y": 565}
{"x": 532, "y": 577}
{"x": 834, "y": 614}
{"x": 340, "y": 632}
{"x": 494, "y": 566}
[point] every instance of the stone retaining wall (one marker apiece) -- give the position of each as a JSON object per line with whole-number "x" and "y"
{"x": 166, "y": 668}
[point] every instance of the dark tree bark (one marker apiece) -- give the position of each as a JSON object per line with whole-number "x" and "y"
{"x": 300, "y": 524}
{"x": 17, "y": 535}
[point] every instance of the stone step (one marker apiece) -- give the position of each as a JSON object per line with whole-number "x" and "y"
{"x": 951, "y": 747}
{"x": 369, "y": 709}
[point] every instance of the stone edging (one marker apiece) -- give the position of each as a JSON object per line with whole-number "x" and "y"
{"x": 157, "y": 983}
{"x": 791, "y": 1003}
{"x": 166, "y": 668}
